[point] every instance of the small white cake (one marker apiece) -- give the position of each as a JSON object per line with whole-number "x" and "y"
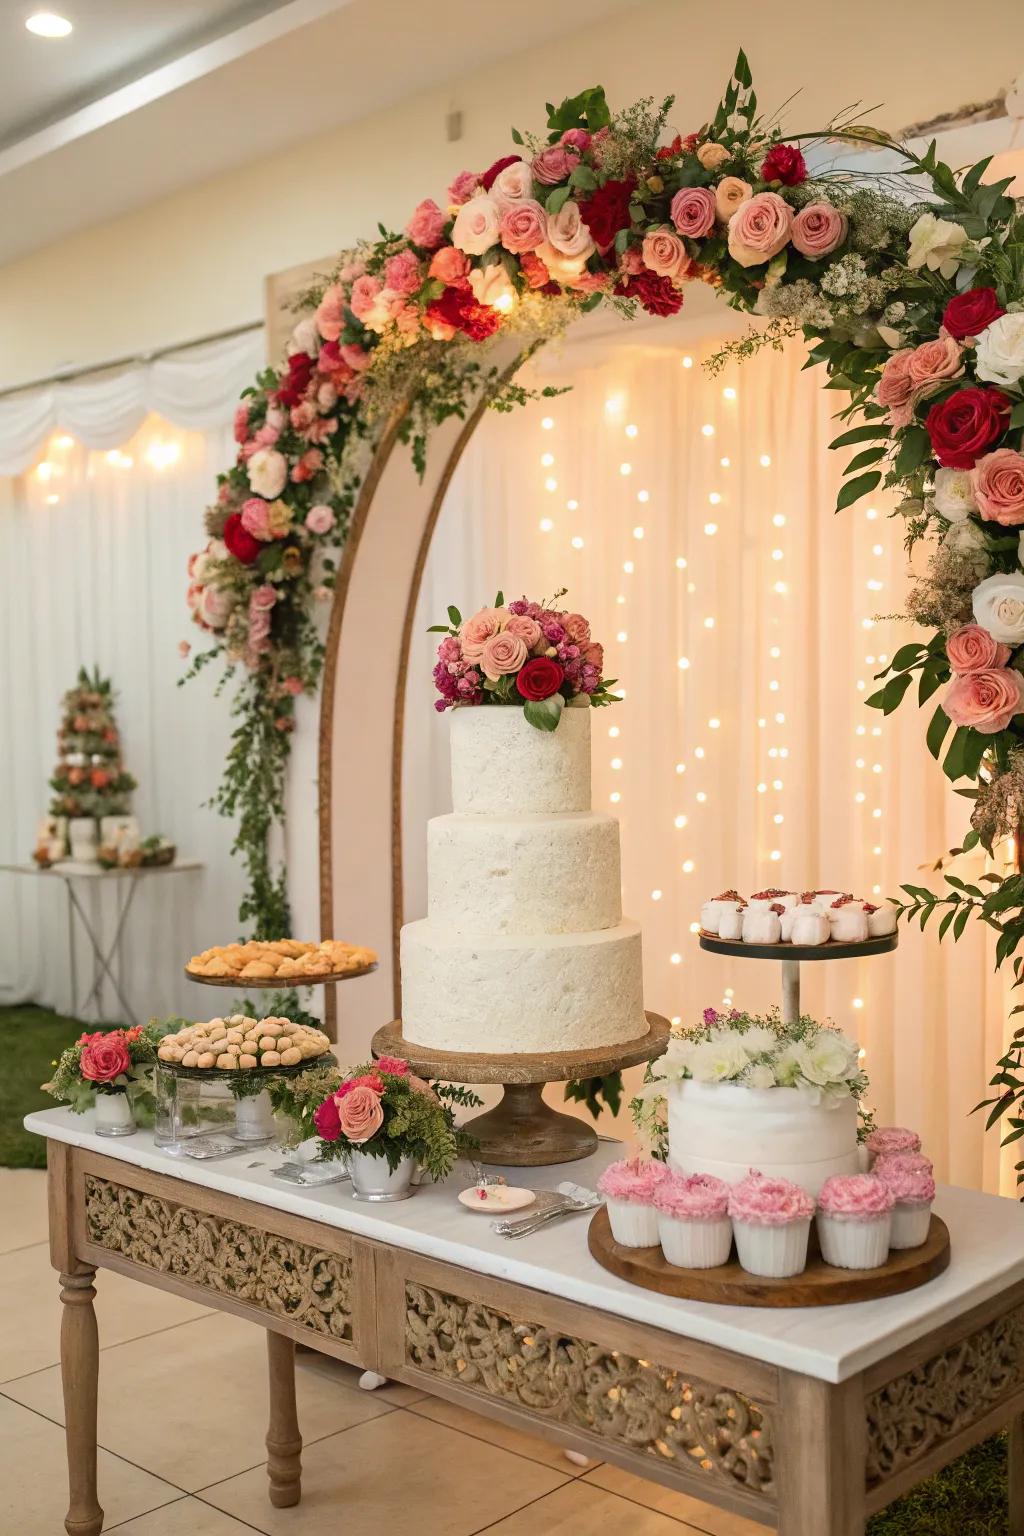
{"x": 810, "y": 927}
{"x": 761, "y": 926}
{"x": 881, "y": 921}
{"x": 730, "y": 925}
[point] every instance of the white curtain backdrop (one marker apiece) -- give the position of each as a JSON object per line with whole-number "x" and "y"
{"x": 692, "y": 520}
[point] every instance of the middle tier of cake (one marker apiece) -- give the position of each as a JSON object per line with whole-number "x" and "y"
{"x": 509, "y": 994}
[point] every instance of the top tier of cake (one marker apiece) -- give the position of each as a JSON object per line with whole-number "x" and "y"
{"x": 500, "y": 768}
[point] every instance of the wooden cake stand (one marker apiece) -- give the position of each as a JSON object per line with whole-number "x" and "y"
{"x": 791, "y": 955}
{"x": 522, "y": 1131}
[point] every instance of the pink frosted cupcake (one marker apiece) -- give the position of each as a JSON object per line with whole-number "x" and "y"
{"x": 854, "y": 1221}
{"x": 913, "y": 1190}
{"x": 771, "y": 1221}
{"x": 693, "y": 1220}
{"x": 628, "y": 1189}
{"x": 912, "y": 1160}
{"x": 892, "y": 1138}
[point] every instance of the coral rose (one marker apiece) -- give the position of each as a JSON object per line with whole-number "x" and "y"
{"x": 693, "y": 212}
{"x": 330, "y": 315}
{"x": 476, "y": 226}
{"x": 502, "y": 654}
{"x": 360, "y": 1114}
{"x": 985, "y": 701}
{"x": 895, "y": 390}
{"x": 759, "y": 229}
{"x": 964, "y": 425}
{"x": 526, "y": 628}
{"x": 524, "y": 226}
{"x": 450, "y": 266}
{"x": 478, "y": 629}
{"x": 426, "y": 227}
{"x": 540, "y": 678}
{"x": 104, "y": 1057}
{"x": 664, "y": 253}
{"x": 997, "y": 481}
{"x": 577, "y": 629}
{"x": 818, "y": 230}
{"x": 972, "y": 649}
{"x": 730, "y": 194}
{"x": 933, "y": 364}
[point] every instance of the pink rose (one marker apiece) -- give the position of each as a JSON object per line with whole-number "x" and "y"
{"x": 997, "y": 481}
{"x": 354, "y": 356}
{"x": 731, "y": 193}
{"x": 325, "y": 1118}
{"x": 577, "y": 629}
{"x": 593, "y": 656}
{"x": 463, "y": 187}
{"x": 330, "y": 316}
{"x": 513, "y": 184}
{"x": 693, "y": 212}
{"x": 450, "y": 266}
{"x": 293, "y": 685}
{"x": 526, "y": 628}
{"x": 256, "y": 518}
{"x": 241, "y": 423}
{"x": 476, "y": 630}
{"x": 568, "y": 233}
{"x": 759, "y": 229}
{"x": 501, "y": 654}
{"x": 664, "y": 253}
{"x": 933, "y": 364}
{"x": 523, "y": 226}
{"x": 213, "y": 607}
{"x": 818, "y": 230}
{"x": 985, "y": 701}
{"x": 972, "y": 649}
{"x": 555, "y": 164}
{"x": 476, "y": 226}
{"x": 426, "y": 227}
{"x": 895, "y": 389}
{"x": 104, "y": 1057}
{"x": 364, "y": 295}
{"x": 320, "y": 519}
{"x": 263, "y": 599}
{"x": 360, "y": 1114}
{"x": 394, "y": 1066}
{"x": 403, "y": 273}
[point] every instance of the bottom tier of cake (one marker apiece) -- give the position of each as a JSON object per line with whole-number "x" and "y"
{"x": 726, "y": 1130}
{"x": 515, "y": 995}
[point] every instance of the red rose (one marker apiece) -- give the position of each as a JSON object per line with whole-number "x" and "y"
{"x": 99, "y": 778}
{"x": 293, "y": 386}
{"x": 540, "y": 678}
{"x": 489, "y": 177}
{"x": 963, "y": 426}
{"x": 658, "y": 295}
{"x": 104, "y": 1058}
{"x": 969, "y": 313}
{"x": 326, "y": 1120}
{"x": 459, "y": 308}
{"x": 606, "y": 211}
{"x": 784, "y": 163}
{"x": 240, "y": 541}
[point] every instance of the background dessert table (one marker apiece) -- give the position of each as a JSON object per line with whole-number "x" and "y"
{"x": 806, "y": 1420}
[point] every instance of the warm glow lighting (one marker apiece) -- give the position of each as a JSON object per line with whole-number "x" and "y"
{"x": 781, "y": 588}
{"x": 776, "y": 554}
{"x": 710, "y": 529}
{"x": 858, "y": 1002}
{"x": 655, "y": 895}
{"x": 614, "y": 797}
{"x": 709, "y": 623}
{"x": 622, "y": 637}
{"x": 729, "y": 393}
{"x": 680, "y": 767}
{"x": 45, "y": 470}
{"x": 700, "y": 797}
{"x": 676, "y": 959}
{"x": 52, "y": 499}
{"x": 714, "y": 723}
{"x": 638, "y": 532}
{"x": 64, "y": 441}
{"x": 698, "y": 751}
{"x": 627, "y": 566}
{"x": 762, "y": 789}
{"x": 871, "y": 514}
{"x": 765, "y": 461}
{"x": 776, "y": 783}
{"x": 613, "y": 404}
{"x": 683, "y": 663}
{"x": 688, "y": 866}
{"x": 775, "y": 855}
{"x": 714, "y": 498}
{"x": 546, "y": 525}
{"x": 548, "y": 423}
{"x": 551, "y": 484}
{"x": 571, "y": 505}
{"x": 707, "y": 429}
{"x": 613, "y": 731}
{"x": 680, "y": 563}
{"x": 860, "y": 797}
{"x": 867, "y": 623}
{"x": 778, "y": 818}
{"x": 878, "y": 549}
{"x": 162, "y": 455}
{"x": 643, "y": 496}
{"x": 687, "y": 362}
{"x": 680, "y": 822}
{"x": 625, "y": 469}
{"x": 577, "y": 542}
{"x": 616, "y": 763}
{"x": 632, "y": 430}
{"x": 46, "y": 24}
{"x": 876, "y": 813}
{"x": 547, "y": 459}
{"x": 779, "y": 520}
{"x": 724, "y": 463}
{"x": 775, "y": 652}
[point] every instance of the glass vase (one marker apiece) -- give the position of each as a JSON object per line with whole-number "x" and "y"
{"x": 114, "y": 1115}
{"x": 254, "y": 1118}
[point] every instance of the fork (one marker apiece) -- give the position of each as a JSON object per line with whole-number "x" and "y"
{"x": 530, "y": 1224}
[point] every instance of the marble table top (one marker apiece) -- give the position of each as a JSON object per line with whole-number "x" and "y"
{"x": 831, "y": 1343}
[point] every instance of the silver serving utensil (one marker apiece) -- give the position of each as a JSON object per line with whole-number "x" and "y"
{"x": 530, "y": 1224}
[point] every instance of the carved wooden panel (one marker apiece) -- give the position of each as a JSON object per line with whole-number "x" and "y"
{"x": 915, "y": 1412}
{"x": 286, "y": 1278}
{"x": 636, "y": 1403}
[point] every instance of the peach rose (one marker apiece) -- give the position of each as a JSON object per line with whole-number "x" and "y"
{"x": 476, "y": 226}
{"x": 501, "y": 654}
{"x": 513, "y": 184}
{"x": 693, "y": 212}
{"x": 895, "y": 390}
{"x": 986, "y": 701}
{"x": 997, "y": 481}
{"x": 450, "y": 266}
{"x": 360, "y": 1114}
{"x": 524, "y": 226}
{"x": 577, "y": 629}
{"x": 731, "y": 193}
{"x": 664, "y": 252}
{"x": 568, "y": 233}
{"x": 330, "y": 316}
{"x": 477, "y": 630}
{"x": 818, "y": 230}
{"x": 526, "y": 628}
{"x": 933, "y": 364}
{"x": 712, "y": 155}
{"x": 759, "y": 229}
{"x": 972, "y": 649}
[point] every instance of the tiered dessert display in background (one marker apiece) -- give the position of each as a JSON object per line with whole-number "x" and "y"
{"x": 91, "y": 787}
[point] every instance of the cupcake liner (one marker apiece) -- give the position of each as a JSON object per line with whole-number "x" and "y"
{"x": 695, "y": 1244}
{"x": 633, "y": 1225}
{"x": 910, "y": 1224}
{"x": 854, "y": 1244}
{"x": 775, "y": 1252}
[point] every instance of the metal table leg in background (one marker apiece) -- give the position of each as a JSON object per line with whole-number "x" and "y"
{"x": 102, "y": 962}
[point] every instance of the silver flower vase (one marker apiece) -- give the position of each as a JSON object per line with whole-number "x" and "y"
{"x": 372, "y": 1179}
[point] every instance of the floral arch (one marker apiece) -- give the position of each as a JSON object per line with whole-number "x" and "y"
{"x": 913, "y": 300}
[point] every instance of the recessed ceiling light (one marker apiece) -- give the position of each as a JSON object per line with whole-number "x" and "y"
{"x": 46, "y": 24}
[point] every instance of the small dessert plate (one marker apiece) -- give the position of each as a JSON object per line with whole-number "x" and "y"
{"x": 490, "y": 1198}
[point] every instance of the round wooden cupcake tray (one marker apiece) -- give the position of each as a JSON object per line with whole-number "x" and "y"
{"x": 278, "y": 983}
{"x": 820, "y": 1284}
{"x": 522, "y": 1131}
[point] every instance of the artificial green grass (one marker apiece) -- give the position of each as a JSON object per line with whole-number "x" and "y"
{"x": 31, "y": 1039}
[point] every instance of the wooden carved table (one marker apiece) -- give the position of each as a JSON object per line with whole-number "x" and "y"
{"x": 806, "y": 1420}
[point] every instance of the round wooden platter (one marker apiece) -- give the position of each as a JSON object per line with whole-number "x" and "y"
{"x": 522, "y": 1131}
{"x": 832, "y": 949}
{"x": 277, "y": 983}
{"x": 820, "y": 1284}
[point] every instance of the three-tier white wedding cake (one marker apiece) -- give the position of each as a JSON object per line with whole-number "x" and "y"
{"x": 524, "y": 948}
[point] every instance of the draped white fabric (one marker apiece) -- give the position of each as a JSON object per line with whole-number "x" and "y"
{"x": 95, "y": 549}
{"x": 691, "y": 519}
{"x": 195, "y": 388}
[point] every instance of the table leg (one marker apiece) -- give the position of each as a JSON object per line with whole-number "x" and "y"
{"x": 79, "y": 1368}
{"x": 73, "y": 1010}
{"x": 1015, "y": 1526}
{"x": 822, "y": 1455}
{"x": 284, "y": 1443}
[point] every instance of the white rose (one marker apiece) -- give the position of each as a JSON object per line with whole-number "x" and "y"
{"x": 1000, "y": 355}
{"x": 514, "y": 183}
{"x": 759, "y": 1039}
{"x": 829, "y": 1058}
{"x": 304, "y": 338}
{"x": 715, "y": 1061}
{"x": 476, "y": 226}
{"x": 761, "y": 1076}
{"x": 562, "y": 269}
{"x": 967, "y": 539}
{"x": 788, "y": 1066}
{"x": 998, "y": 605}
{"x": 492, "y": 285}
{"x": 268, "y": 473}
{"x": 936, "y": 244}
{"x": 568, "y": 233}
{"x": 215, "y": 607}
{"x": 952, "y": 494}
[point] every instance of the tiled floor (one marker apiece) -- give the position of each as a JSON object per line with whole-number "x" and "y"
{"x": 182, "y": 1419}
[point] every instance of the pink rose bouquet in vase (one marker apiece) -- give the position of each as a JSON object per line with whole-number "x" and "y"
{"x": 387, "y": 1123}
{"x": 533, "y": 655}
{"x": 103, "y": 1071}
